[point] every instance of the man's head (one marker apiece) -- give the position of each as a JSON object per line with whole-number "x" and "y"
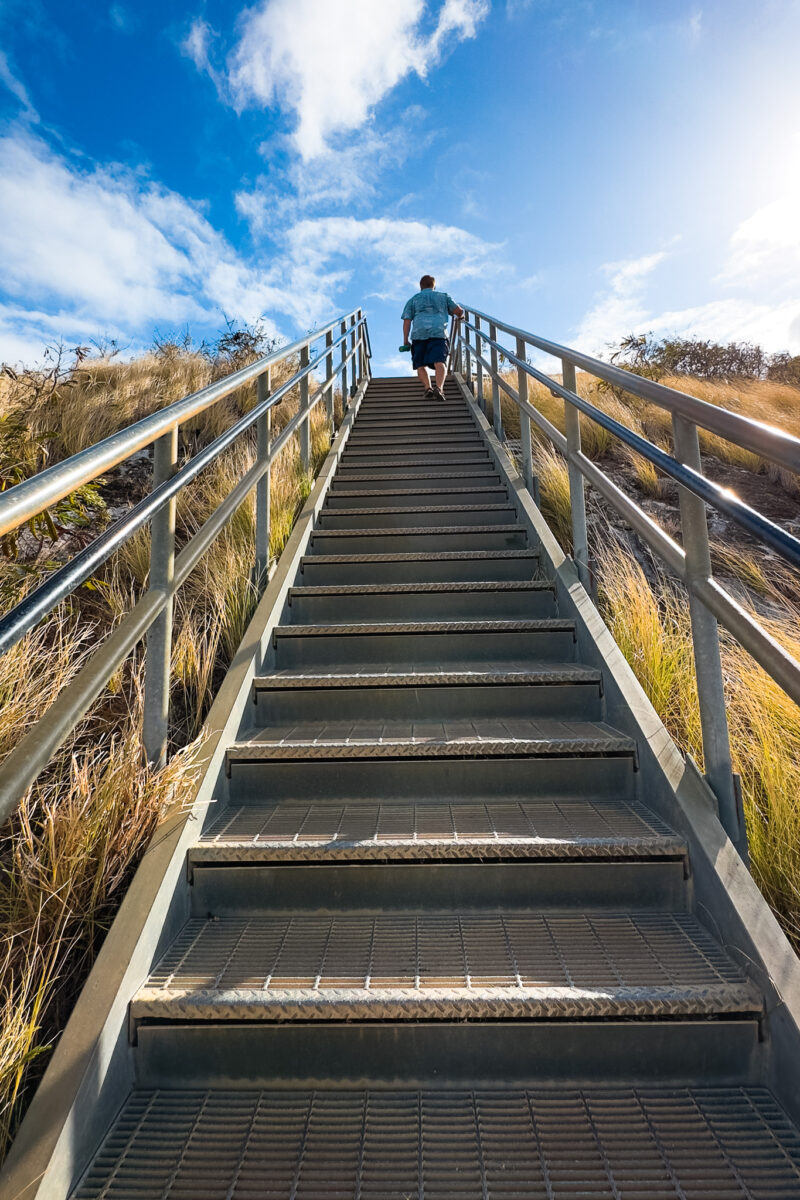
{"x": 427, "y": 281}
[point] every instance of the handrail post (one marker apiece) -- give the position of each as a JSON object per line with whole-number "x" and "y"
{"x": 354, "y": 376}
{"x": 577, "y": 484}
{"x": 345, "y": 399}
{"x": 478, "y": 365}
{"x": 304, "y": 431}
{"x": 158, "y": 653}
{"x": 263, "y": 438}
{"x": 329, "y": 380}
{"x": 705, "y": 644}
{"x": 497, "y": 412}
{"x": 524, "y": 419}
{"x": 467, "y": 357}
{"x": 361, "y": 355}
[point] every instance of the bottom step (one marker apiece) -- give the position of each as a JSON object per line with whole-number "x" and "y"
{"x": 704, "y": 1143}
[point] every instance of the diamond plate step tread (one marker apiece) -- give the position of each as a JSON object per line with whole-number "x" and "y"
{"x": 432, "y": 739}
{"x": 399, "y": 589}
{"x": 451, "y": 676}
{"x": 415, "y": 530}
{"x": 688, "y": 1143}
{"x": 438, "y": 475}
{"x": 374, "y": 830}
{"x": 430, "y": 491}
{"x": 421, "y": 508}
{"x": 535, "y": 625}
{"x": 445, "y": 966}
{"x": 419, "y": 556}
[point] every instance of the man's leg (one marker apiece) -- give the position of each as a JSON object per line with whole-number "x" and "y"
{"x": 424, "y": 378}
{"x": 441, "y": 374}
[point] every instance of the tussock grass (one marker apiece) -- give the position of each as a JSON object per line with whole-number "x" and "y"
{"x": 651, "y": 626}
{"x": 68, "y": 856}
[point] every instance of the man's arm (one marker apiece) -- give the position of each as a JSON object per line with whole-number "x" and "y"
{"x": 454, "y": 309}
{"x": 406, "y": 330}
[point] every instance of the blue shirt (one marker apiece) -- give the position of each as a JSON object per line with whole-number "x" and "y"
{"x": 428, "y": 312}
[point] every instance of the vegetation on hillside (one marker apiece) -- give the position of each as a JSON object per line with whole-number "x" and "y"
{"x": 67, "y": 858}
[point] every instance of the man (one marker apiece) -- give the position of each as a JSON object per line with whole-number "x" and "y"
{"x": 425, "y": 318}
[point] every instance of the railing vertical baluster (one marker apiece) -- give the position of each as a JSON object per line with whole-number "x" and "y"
{"x": 497, "y": 412}
{"x": 362, "y": 358}
{"x": 329, "y": 380}
{"x": 478, "y": 366}
{"x": 158, "y": 655}
{"x": 343, "y": 331}
{"x": 467, "y": 357}
{"x": 577, "y": 487}
{"x": 524, "y": 420}
{"x": 304, "y": 431}
{"x": 354, "y": 374}
{"x": 263, "y": 437}
{"x": 705, "y": 643}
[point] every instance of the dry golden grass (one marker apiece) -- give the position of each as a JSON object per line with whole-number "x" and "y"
{"x": 651, "y": 626}
{"x": 68, "y": 856}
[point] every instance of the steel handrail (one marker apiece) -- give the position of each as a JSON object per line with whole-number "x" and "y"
{"x": 32, "y": 496}
{"x": 38, "y": 603}
{"x": 709, "y": 602}
{"x": 711, "y": 493}
{"x": 151, "y": 614}
{"x": 765, "y": 440}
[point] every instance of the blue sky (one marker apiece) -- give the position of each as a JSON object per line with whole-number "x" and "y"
{"x": 582, "y": 168}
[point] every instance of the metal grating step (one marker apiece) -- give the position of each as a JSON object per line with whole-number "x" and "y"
{"x": 590, "y": 1144}
{"x": 445, "y": 966}
{"x": 391, "y": 675}
{"x": 433, "y": 739}
{"x": 404, "y": 589}
{"x": 535, "y": 829}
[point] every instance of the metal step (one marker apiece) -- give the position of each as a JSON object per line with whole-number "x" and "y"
{"x": 646, "y": 1143}
{"x": 446, "y": 966}
{"x": 410, "y": 480}
{"x": 423, "y": 496}
{"x": 467, "y": 691}
{"x": 523, "y": 599}
{"x": 431, "y": 461}
{"x": 413, "y": 643}
{"x": 400, "y": 516}
{"x": 377, "y": 739}
{"x": 565, "y": 829}
{"x": 420, "y": 567}
{"x": 429, "y": 539}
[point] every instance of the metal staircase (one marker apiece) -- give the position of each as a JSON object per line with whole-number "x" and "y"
{"x": 442, "y": 936}
{"x": 449, "y": 917}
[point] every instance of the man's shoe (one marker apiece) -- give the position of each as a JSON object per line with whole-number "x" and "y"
{"x": 438, "y": 394}
{"x": 430, "y": 394}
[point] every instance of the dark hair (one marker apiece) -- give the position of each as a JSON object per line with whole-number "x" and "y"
{"x": 426, "y": 282}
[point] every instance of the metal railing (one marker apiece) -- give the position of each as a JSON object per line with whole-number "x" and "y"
{"x": 151, "y": 616}
{"x": 709, "y": 602}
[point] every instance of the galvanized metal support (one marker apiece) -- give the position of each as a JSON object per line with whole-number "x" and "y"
{"x": 345, "y": 400}
{"x": 354, "y": 374}
{"x": 329, "y": 380}
{"x": 263, "y": 437}
{"x": 577, "y": 484}
{"x": 478, "y": 366}
{"x": 497, "y": 412}
{"x": 467, "y": 352}
{"x": 705, "y": 643}
{"x": 158, "y": 654}
{"x": 304, "y": 432}
{"x": 362, "y": 358}
{"x": 524, "y": 419}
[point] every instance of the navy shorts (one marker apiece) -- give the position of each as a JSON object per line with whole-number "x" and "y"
{"x": 429, "y": 351}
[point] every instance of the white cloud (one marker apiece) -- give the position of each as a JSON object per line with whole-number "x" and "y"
{"x": 331, "y": 64}
{"x": 197, "y": 46}
{"x": 621, "y": 309}
{"x": 103, "y": 245}
{"x": 122, "y": 18}
{"x": 396, "y": 252}
{"x": 16, "y": 87}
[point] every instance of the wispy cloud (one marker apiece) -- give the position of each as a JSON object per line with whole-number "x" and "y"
{"x": 17, "y": 88}
{"x": 123, "y": 18}
{"x": 620, "y": 308}
{"x": 329, "y": 70}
